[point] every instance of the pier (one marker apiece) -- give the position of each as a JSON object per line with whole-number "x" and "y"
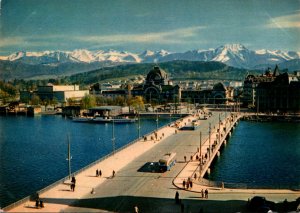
{"x": 153, "y": 191}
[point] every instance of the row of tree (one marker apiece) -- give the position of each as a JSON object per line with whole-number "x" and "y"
{"x": 89, "y": 101}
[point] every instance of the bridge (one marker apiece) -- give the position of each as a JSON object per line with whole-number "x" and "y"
{"x": 151, "y": 191}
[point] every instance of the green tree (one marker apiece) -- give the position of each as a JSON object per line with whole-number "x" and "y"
{"x": 120, "y": 101}
{"x": 71, "y": 101}
{"x": 35, "y": 100}
{"x": 136, "y": 102}
{"x": 88, "y": 101}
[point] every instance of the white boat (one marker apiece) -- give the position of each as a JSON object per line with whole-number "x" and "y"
{"x": 117, "y": 119}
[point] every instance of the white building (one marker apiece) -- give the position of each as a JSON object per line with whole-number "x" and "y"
{"x": 59, "y": 92}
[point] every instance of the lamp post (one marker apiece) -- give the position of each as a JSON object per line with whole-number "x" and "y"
{"x": 69, "y": 156}
{"x": 209, "y": 132}
{"x": 113, "y": 140}
{"x": 200, "y": 153}
{"x": 219, "y": 127}
{"x": 156, "y": 120}
{"x": 139, "y": 125}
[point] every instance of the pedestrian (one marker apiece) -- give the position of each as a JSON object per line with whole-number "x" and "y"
{"x": 100, "y": 173}
{"x": 206, "y": 193}
{"x": 113, "y": 173}
{"x": 37, "y": 201}
{"x": 73, "y": 180}
{"x": 202, "y": 193}
{"x": 191, "y": 184}
{"x": 183, "y": 183}
{"x": 136, "y": 209}
{"x": 97, "y": 173}
{"x": 74, "y": 187}
{"x": 177, "y": 197}
{"x": 41, "y": 204}
{"x": 184, "y": 158}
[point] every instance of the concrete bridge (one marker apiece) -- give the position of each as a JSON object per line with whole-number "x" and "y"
{"x": 150, "y": 191}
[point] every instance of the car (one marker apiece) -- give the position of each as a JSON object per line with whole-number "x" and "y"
{"x": 260, "y": 204}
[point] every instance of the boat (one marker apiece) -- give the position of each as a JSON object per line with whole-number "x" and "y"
{"x": 115, "y": 119}
{"x": 82, "y": 119}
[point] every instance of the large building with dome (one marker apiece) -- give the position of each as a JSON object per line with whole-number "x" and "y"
{"x": 157, "y": 87}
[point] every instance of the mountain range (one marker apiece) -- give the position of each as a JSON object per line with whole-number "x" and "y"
{"x": 81, "y": 60}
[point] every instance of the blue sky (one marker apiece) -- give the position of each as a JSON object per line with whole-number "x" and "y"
{"x": 137, "y": 25}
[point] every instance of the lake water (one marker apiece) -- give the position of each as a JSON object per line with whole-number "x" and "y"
{"x": 261, "y": 155}
{"x": 33, "y": 150}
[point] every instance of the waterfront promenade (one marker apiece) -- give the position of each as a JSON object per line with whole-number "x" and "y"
{"x": 153, "y": 192}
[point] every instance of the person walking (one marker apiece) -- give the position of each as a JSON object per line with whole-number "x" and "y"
{"x": 113, "y": 173}
{"x": 97, "y": 173}
{"x": 202, "y": 193}
{"x": 183, "y": 183}
{"x": 177, "y": 197}
{"x": 206, "y": 193}
{"x": 73, "y": 182}
{"x": 136, "y": 209}
{"x": 100, "y": 173}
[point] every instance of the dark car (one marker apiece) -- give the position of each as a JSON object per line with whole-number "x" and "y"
{"x": 260, "y": 204}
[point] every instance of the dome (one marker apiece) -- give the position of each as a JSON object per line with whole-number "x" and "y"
{"x": 156, "y": 75}
{"x": 219, "y": 87}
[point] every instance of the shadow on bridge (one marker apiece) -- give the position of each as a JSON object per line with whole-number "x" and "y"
{"x": 151, "y": 204}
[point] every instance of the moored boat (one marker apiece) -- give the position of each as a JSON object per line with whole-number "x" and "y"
{"x": 116, "y": 119}
{"x": 82, "y": 119}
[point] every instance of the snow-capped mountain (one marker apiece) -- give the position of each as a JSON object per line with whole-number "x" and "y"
{"x": 235, "y": 55}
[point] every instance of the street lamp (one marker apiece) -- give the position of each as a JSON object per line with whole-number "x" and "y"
{"x": 113, "y": 139}
{"x": 219, "y": 127}
{"x": 69, "y": 156}
{"x": 209, "y": 132}
{"x": 200, "y": 153}
{"x": 139, "y": 125}
{"x": 156, "y": 120}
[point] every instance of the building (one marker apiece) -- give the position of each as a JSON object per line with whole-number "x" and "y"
{"x": 251, "y": 82}
{"x": 157, "y": 88}
{"x": 61, "y": 93}
{"x": 282, "y": 95}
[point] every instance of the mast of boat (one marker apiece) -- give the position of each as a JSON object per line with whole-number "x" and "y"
{"x": 113, "y": 136}
{"x": 69, "y": 156}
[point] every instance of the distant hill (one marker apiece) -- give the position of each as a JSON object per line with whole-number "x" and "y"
{"x": 176, "y": 70}
{"x": 20, "y": 70}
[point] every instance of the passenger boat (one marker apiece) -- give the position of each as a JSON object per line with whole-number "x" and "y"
{"x": 82, "y": 119}
{"x": 116, "y": 119}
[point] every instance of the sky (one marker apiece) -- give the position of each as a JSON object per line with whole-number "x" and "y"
{"x": 138, "y": 25}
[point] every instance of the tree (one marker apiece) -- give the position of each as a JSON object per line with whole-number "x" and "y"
{"x": 120, "y": 101}
{"x": 71, "y": 101}
{"x": 35, "y": 100}
{"x": 88, "y": 101}
{"x": 136, "y": 102}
